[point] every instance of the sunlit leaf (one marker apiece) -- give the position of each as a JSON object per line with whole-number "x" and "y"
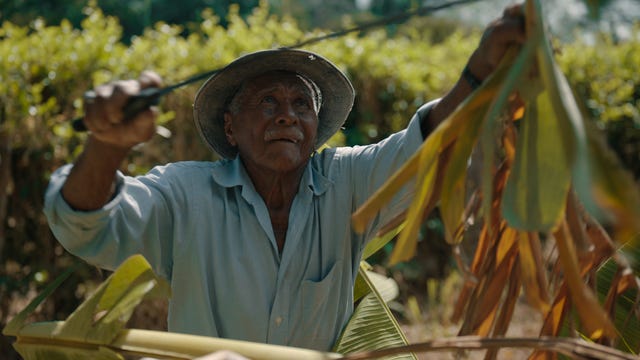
{"x": 535, "y": 195}
{"x": 452, "y": 202}
{"x": 492, "y": 130}
{"x": 386, "y": 287}
{"x": 446, "y": 133}
{"x": 424, "y": 201}
{"x": 100, "y": 317}
{"x": 363, "y": 215}
{"x": 371, "y": 327}
{"x": 565, "y": 108}
{"x": 360, "y": 288}
{"x": 381, "y": 240}
{"x": 107, "y": 340}
{"x": 163, "y": 345}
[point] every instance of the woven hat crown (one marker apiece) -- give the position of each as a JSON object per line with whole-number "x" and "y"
{"x": 213, "y": 97}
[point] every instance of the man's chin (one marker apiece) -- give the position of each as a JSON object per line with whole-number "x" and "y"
{"x": 286, "y": 162}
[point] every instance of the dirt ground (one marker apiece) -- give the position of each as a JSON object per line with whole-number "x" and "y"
{"x": 526, "y": 322}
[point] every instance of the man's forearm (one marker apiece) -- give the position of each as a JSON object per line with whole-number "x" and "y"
{"x": 90, "y": 183}
{"x": 447, "y": 104}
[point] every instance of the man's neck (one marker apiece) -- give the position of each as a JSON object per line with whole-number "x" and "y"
{"x": 277, "y": 190}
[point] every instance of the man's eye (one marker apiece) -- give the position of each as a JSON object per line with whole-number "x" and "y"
{"x": 269, "y": 99}
{"x": 300, "y": 102}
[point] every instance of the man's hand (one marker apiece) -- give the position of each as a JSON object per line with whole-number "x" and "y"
{"x": 90, "y": 183}
{"x": 500, "y": 35}
{"x": 105, "y": 118}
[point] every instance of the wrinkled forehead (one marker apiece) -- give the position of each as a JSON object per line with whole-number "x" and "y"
{"x": 277, "y": 78}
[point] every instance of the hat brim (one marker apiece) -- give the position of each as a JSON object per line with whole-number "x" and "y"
{"x": 212, "y": 98}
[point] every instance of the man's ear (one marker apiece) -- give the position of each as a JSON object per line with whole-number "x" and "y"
{"x": 227, "y": 129}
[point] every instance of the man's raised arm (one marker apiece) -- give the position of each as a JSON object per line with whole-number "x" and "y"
{"x": 500, "y": 35}
{"x": 91, "y": 182}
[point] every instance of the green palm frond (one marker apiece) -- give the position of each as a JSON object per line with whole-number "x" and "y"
{"x": 372, "y": 325}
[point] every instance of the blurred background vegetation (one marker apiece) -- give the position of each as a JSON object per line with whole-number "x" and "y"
{"x": 52, "y": 51}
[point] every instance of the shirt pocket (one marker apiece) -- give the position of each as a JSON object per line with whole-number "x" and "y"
{"x": 322, "y": 315}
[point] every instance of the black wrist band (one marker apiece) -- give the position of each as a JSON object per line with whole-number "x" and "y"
{"x": 470, "y": 78}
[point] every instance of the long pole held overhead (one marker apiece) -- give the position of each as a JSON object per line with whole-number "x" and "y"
{"x": 151, "y": 96}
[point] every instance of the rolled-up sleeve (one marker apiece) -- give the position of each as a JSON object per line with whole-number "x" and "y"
{"x": 137, "y": 220}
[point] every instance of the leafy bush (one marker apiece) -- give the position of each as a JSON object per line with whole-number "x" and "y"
{"x": 607, "y": 77}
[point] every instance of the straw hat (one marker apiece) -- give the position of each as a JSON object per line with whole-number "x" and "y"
{"x": 214, "y": 95}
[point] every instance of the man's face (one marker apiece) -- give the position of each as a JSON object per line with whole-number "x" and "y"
{"x": 273, "y": 123}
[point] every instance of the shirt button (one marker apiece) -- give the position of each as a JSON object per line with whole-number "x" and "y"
{"x": 278, "y": 320}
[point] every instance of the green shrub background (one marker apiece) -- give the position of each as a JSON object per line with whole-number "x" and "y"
{"x": 44, "y": 70}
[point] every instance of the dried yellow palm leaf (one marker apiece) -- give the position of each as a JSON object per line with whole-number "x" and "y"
{"x": 425, "y": 200}
{"x": 506, "y": 311}
{"x": 471, "y": 277}
{"x": 365, "y": 213}
{"x": 463, "y": 137}
{"x": 557, "y": 313}
{"x": 493, "y": 129}
{"x": 493, "y": 279}
{"x": 452, "y": 202}
{"x": 593, "y": 318}
{"x": 444, "y": 135}
{"x": 534, "y": 280}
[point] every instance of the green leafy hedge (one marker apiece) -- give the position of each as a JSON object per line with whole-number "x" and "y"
{"x": 606, "y": 76}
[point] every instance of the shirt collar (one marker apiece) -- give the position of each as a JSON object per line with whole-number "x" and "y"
{"x": 230, "y": 173}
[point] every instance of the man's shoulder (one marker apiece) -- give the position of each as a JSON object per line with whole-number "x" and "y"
{"x": 334, "y": 153}
{"x": 183, "y": 170}
{"x": 334, "y": 160}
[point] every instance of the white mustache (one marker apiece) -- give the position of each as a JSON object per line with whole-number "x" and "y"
{"x": 290, "y": 134}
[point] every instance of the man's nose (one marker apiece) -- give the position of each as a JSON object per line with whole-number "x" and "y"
{"x": 286, "y": 114}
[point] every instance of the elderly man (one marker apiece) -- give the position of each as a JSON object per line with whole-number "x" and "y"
{"x": 257, "y": 246}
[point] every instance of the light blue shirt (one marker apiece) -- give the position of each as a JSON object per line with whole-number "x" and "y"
{"x": 203, "y": 226}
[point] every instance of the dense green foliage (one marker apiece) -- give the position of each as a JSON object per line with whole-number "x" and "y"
{"x": 134, "y": 18}
{"x": 45, "y": 69}
{"x": 137, "y": 15}
{"x": 607, "y": 78}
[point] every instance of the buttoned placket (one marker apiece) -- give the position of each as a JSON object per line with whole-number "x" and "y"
{"x": 279, "y": 326}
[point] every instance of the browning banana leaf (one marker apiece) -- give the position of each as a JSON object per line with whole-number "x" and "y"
{"x": 553, "y": 160}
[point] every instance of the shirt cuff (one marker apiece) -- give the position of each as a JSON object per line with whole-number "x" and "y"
{"x": 415, "y": 136}
{"x": 423, "y": 113}
{"x": 56, "y": 207}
